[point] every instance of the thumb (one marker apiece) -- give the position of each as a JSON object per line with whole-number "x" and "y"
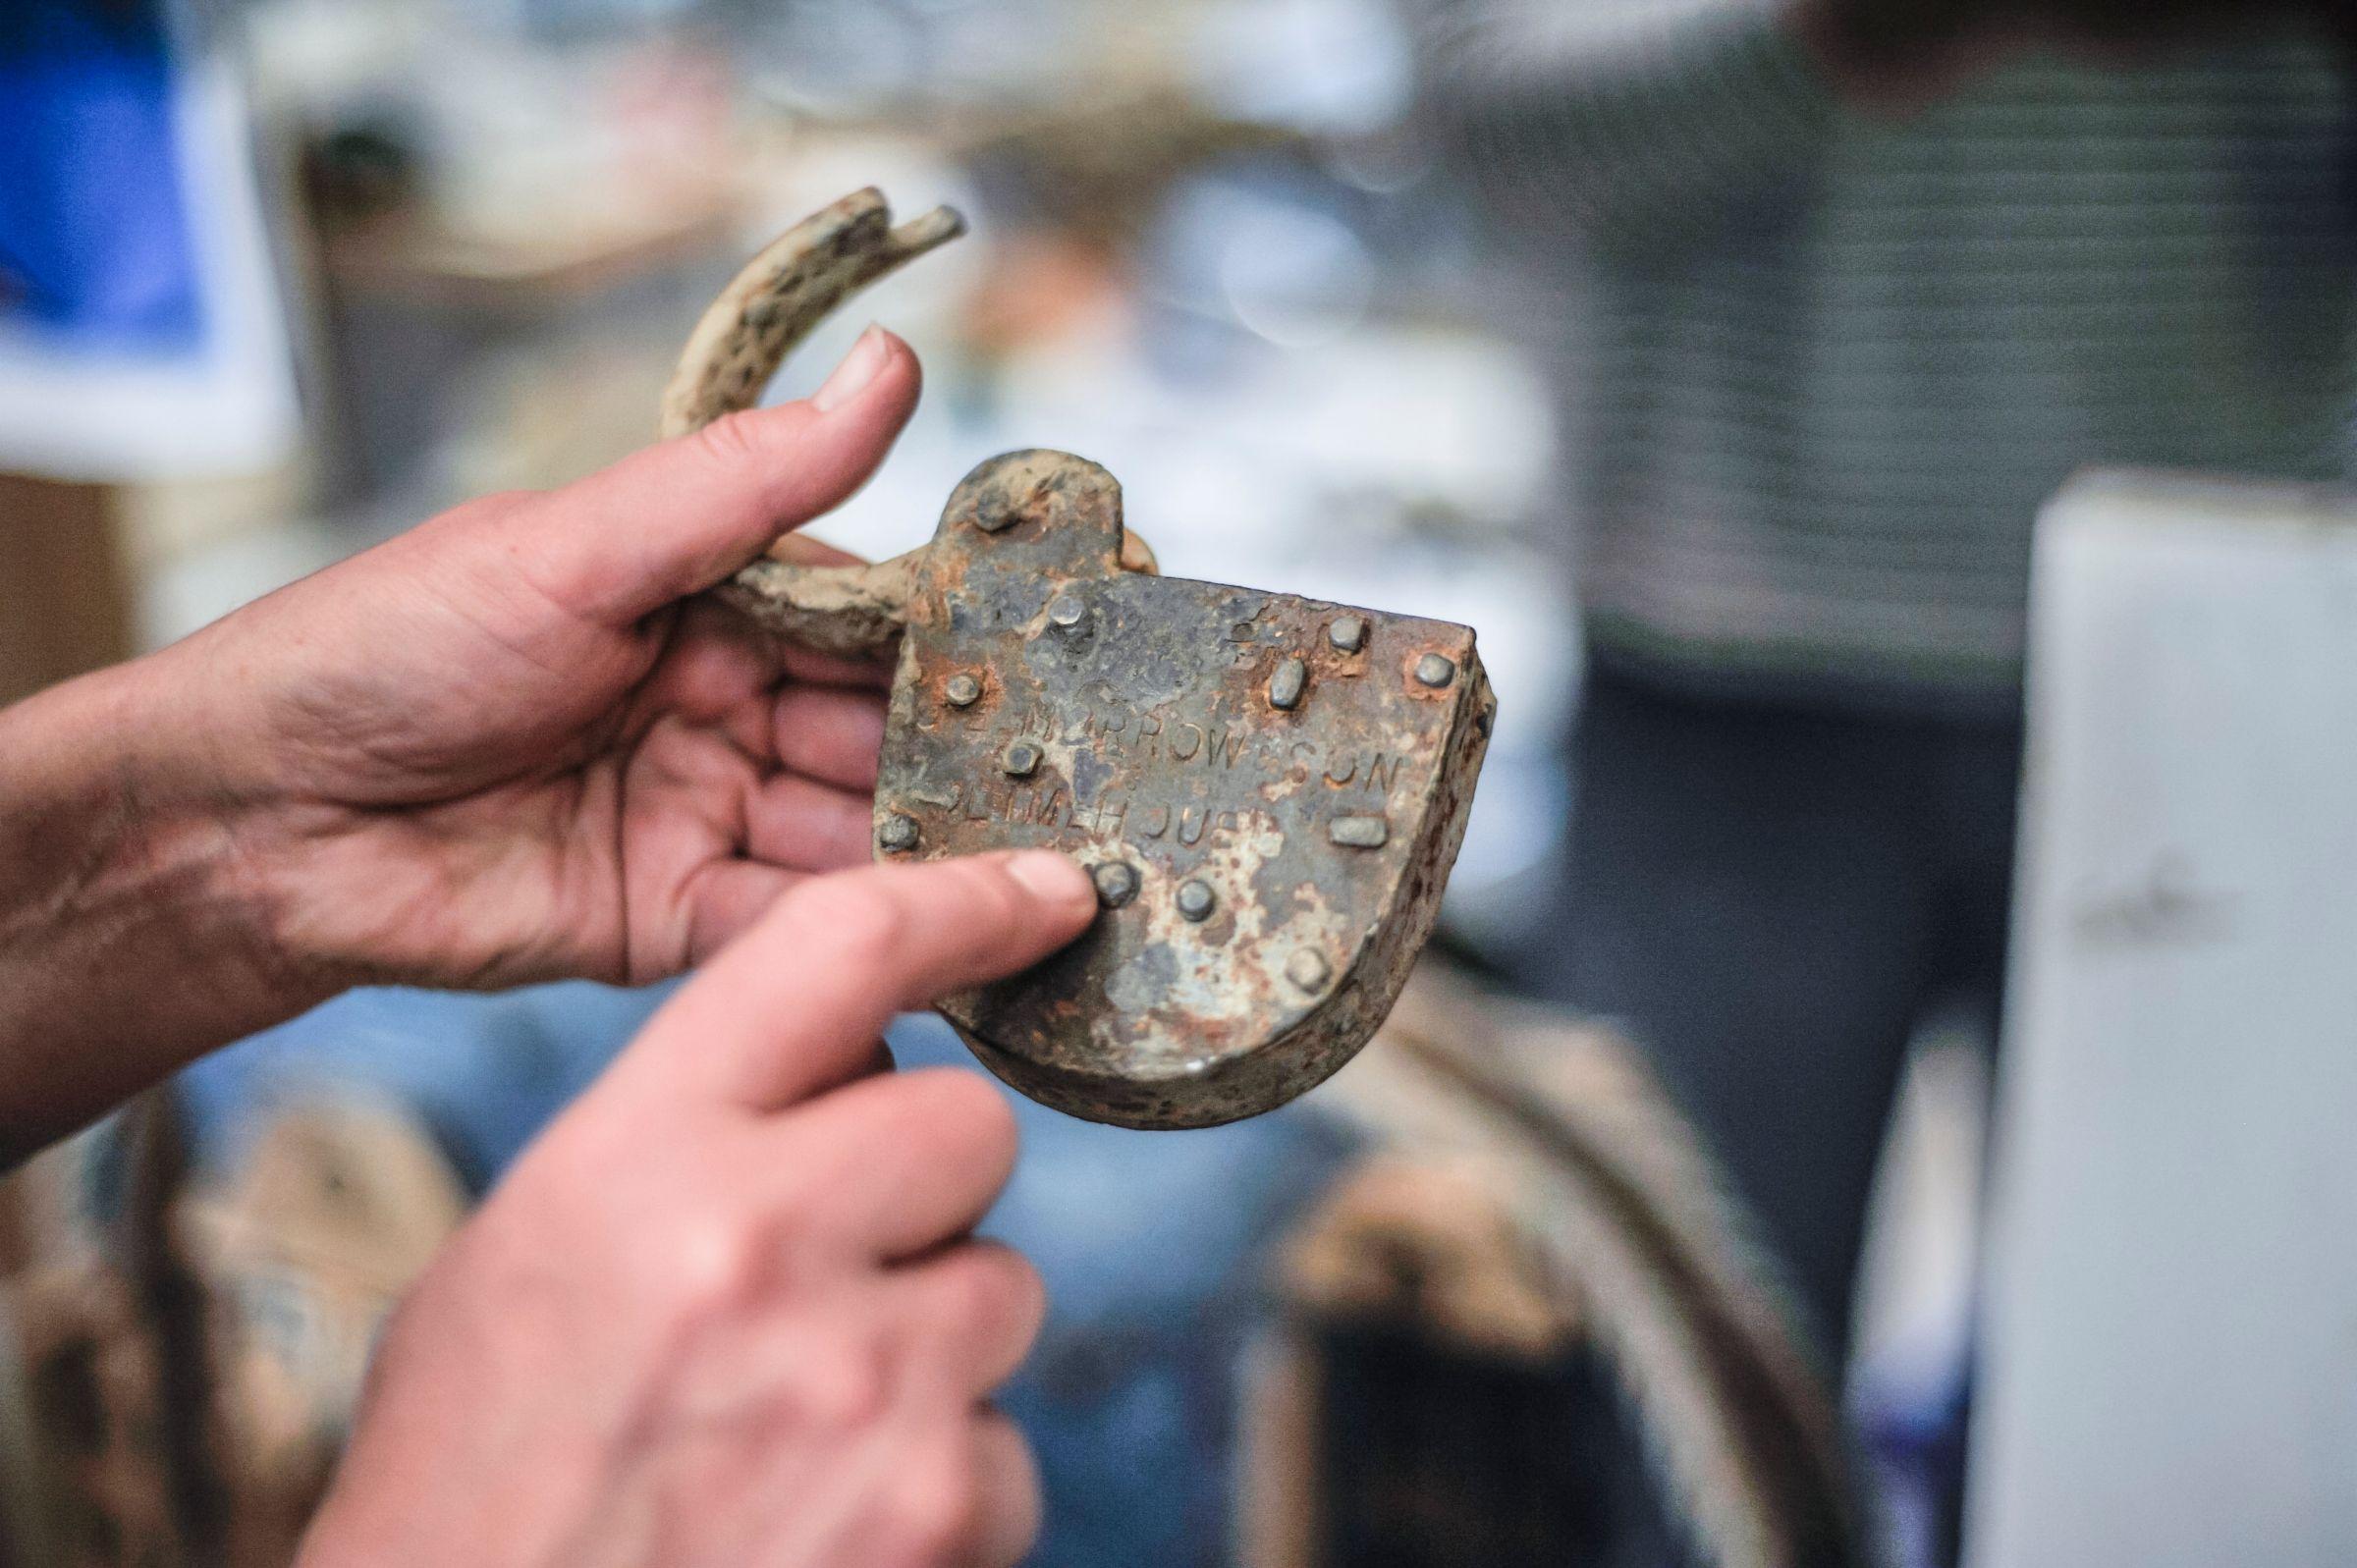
{"x": 793, "y": 1008}
{"x": 676, "y": 519}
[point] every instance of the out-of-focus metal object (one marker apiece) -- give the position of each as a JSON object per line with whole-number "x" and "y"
{"x": 1269, "y": 790}
{"x": 187, "y": 1338}
{"x": 1527, "y": 1196}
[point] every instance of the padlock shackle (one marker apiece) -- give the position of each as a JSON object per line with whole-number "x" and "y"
{"x": 846, "y": 610}
{"x": 766, "y": 311}
{"x": 780, "y": 296}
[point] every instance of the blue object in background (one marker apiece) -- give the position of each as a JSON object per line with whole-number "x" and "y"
{"x": 1150, "y": 1243}
{"x": 94, "y": 233}
{"x": 485, "y": 1074}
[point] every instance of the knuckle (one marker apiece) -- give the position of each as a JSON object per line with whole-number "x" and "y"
{"x": 1009, "y": 1471}
{"x": 1023, "y": 1294}
{"x": 727, "y": 439}
{"x": 960, "y": 1295}
{"x": 967, "y": 1101}
{"x": 719, "y": 1265}
{"x": 957, "y": 1125}
{"x": 862, "y": 923}
{"x": 797, "y": 1204}
{"x": 747, "y": 436}
{"x": 936, "y": 1507}
{"x": 995, "y": 897}
{"x": 999, "y": 1301}
{"x": 991, "y": 1119}
{"x": 843, "y": 1387}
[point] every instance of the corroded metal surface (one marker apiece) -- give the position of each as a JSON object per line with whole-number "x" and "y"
{"x": 1269, "y": 791}
{"x": 782, "y": 295}
{"x": 1270, "y": 809}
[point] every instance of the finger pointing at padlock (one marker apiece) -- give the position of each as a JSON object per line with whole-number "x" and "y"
{"x": 1268, "y": 790}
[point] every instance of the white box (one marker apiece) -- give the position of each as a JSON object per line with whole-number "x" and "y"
{"x": 2170, "y": 1370}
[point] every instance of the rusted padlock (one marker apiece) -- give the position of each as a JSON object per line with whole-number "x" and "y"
{"x": 1268, "y": 790}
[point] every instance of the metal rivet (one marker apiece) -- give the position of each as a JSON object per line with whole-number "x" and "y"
{"x": 1021, "y": 760}
{"x": 962, "y": 691}
{"x": 1349, "y": 632}
{"x": 1359, "y": 833}
{"x": 1195, "y": 901}
{"x": 1435, "y": 669}
{"x": 898, "y": 833}
{"x": 1066, "y": 612}
{"x": 993, "y": 515}
{"x": 1308, "y": 969}
{"x": 1116, "y": 883}
{"x": 1288, "y": 683}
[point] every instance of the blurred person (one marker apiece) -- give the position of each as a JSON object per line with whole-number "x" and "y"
{"x": 1841, "y": 291}
{"x": 727, "y": 1308}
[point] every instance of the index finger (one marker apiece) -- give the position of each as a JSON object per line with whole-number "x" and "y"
{"x": 793, "y": 1008}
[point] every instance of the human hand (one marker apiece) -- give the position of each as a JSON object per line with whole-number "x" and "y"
{"x": 723, "y": 1312}
{"x": 508, "y": 745}
{"x": 513, "y": 744}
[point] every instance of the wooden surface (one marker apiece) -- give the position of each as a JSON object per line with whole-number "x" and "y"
{"x": 65, "y": 606}
{"x": 65, "y": 597}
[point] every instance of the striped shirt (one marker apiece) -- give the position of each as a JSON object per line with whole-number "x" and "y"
{"x": 1819, "y": 366}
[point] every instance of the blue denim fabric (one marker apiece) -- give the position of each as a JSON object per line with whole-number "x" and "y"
{"x": 485, "y": 1073}
{"x": 1150, "y": 1242}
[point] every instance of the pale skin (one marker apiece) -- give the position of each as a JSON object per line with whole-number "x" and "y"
{"x": 727, "y": 1310}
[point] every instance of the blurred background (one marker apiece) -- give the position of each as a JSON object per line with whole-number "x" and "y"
{"x": 383, "y": 255}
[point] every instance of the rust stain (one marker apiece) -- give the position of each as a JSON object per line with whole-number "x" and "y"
{"x": 1052, "y": 691}
{"x": 1161, "y": 749}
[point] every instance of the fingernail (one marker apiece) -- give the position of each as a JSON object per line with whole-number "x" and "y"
{"x": 859, "y": 368}
{"x": 1050, "y": 876}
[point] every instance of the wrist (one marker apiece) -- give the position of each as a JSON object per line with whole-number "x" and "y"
{"x": 130, "y": 938}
